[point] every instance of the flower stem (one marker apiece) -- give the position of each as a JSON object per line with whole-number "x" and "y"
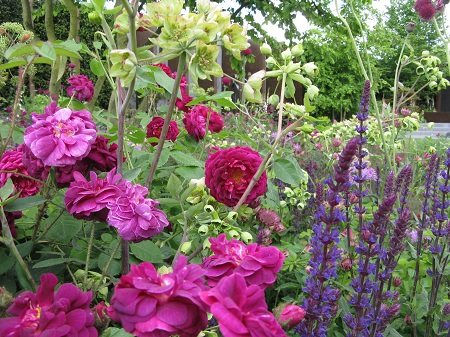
{"x": 8, "y": 240}
{"x": 165, "y": 128}
{"x": 88, "y": 256}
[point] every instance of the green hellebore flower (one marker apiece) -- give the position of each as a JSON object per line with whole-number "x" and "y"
{"x": 124, "y": 64}
{"x": 159, "y": 11}
{"x": 252, "y": 89}
{"x": 286, "y": 55}
{"x": 312, "y": 92}
{"x": 234, "y": 38}
{"x": 203, "y": 63}
{"x": 297, "y": 50}
{"x": 310, "y": 69}
{"x": 266, "y": 49}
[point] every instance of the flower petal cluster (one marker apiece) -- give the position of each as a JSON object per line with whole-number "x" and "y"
{"x": 292, "y": 315}
{"x": 89, "y": 199}
{"x": 64, "y": 174}
{"x": 241, "y": 309}
{"x": 136, "y": 217}
{"x": 229, "y": 172}
{"x": 61, "y": 137}
{"x": 81, "y": 88}
{"x": 258, "y": 265}
{"x": 426, "y": 9}
{"x": 64, "y": 312}
{"x": 147, "y": 303}
{"x": 103, "y": 157}
{"x": 195, "y": 121}
{"x": 12, "y": 161}
{"x": 155, "y": 126}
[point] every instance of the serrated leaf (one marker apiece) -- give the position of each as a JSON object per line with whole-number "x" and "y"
{"x": 51, "y": 262}
{"x": 174, "y": 186}
{"x": 186, "y": 159}
{"x": 96, "y": 67}
{"x": 146, "y": 251}
{"x": 65, "y": 228}
{"x": 6, "y": 190}
{"x": 46, "y": 50}
{"x": 115, "y": 332}
{"x": 25, "y": 284}
{"x": 131, "y": 174}
{"x": 25, "y": 203}
{"x": 190, "y": 172}
{"x": 168, "y": 202}
{"x": 25, "y": 248}
{"x": 286, "y": 172}
{"x": 6, "y": 263}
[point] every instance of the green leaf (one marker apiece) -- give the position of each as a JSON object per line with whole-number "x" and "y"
{"x": 190, "y": 172}
{"x": 97, "y": 45}
{"x": 131, "y": 174}
{"x": 20, "y": 49}
{"x": 6, "y": 190}
{"x": 46, "y": 50}
{"x": 51, "y": 262}
{"x": 25, "y": 203}
{"x": 146, "y": 251}
{"x": 6, "y": 263}
{"x": 64, "y": 230}
{"x": 24, "y": 283}
{"x": 25, "y": 248}
{"x": 115, "y": 332}
{"x": 12, "y": 64}
{"x": 99, "y": 5}
{"x": 113, "y": 11}
{"x": 168, "y": 202}
{"x": 174, "y": 186}
{"x": 96, "y": 67}
{"x": 186, "y": 159}
{"x": 286, "y": 171}
{"x": 163, "y": 80}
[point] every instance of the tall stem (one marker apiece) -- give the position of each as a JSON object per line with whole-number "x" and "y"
{"x": 88, "y": 256}
{"x": 165, "y": 128}
{"x": 8, "y": 240}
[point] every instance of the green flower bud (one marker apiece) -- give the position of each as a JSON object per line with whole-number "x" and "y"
{"x": 94, "y": 17}
{"x": 274, "y": 100}
{"x": 270, "y": 62}
{"x": 310, "y": 69}
{"x": 286, "y": 55}
{"x": 234, "y": 234}
{"x": 203, "y": 230}
{"x": 265, "y": 49}
{"x": 186, "y": 247}
{"x": 246, "y": 237}
{"x": 297, "y": 50}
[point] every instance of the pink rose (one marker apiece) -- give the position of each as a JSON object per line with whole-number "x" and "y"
{"x": 150, "y": 304}
{"x": 155, "y": 126}
{"x": 292, "y": 315}
{"x": 81, "y": 88}
{"x": 228, "y": 173}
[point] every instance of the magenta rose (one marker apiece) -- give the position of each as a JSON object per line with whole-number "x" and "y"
{"x": 89, "y": 199}
{"x": 102, "y": 157}
{"x": 64, "y": 175}
{"x": 292, "y": 315}
{"x": 258, "y": 265}
{"x": 185, "y": 98}
{"x": 136, "y": 217}
{"x": 240, "y": 309}
{"x": 228, "y": 173}
{"x": 195, "y": 121}
{"x": 12, "y": 163}
{"x": 81, "y": 88}
{"x": 61, "y": 138}
{"x": 155, "y": 126}
{"x": 64, "y": 312}
{"x": 162, "y": 305}
{"x": 34, "y": 166}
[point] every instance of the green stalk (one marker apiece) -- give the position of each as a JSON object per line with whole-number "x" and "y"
{"x": 8, "y": 240}
{"x": 88, "y": 256}
{"x": 372, "y": 92}
{"x": 165, "y": 128}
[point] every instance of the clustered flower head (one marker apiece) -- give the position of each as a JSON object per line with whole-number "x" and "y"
{"x": 196, "y": 119}
{"x": 81, "y": 88}
{"x": 241, "y": 309}
{"x": 64, "y": 312}
{"x": 427, "y": 9}
{"x": 155, "y": 126}
{"x": 257, "y": 264}
{"x": 12, "y": 166}
{"x": 135, "y": 216}
{"x": 229, "y": 172}
{"x": 60, "y": 136}
{"x": 148, "y": 303}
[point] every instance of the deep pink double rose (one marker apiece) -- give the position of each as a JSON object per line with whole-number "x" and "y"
{"x": 135, "y": 216}
{"x": 229, "y": 172}
{"x": 81, "y": 88}
{"x": 195, "y": 121}
{"x": 147, "y": 303}
{"x": 240, "y": 309}
{"x": 11, "y": 166}
{"x": 61, "y": 136}
{"x": 258, "y": 265}
{"x": 64, "y": 312}
{"x": 155, "y": 126}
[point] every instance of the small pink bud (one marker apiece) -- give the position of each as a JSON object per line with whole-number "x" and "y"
{"x": 247, "y": 51}
{"x": 292, "y": 315}
{"x": 397, "y": 281}
{"x": 346, "y": 264}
